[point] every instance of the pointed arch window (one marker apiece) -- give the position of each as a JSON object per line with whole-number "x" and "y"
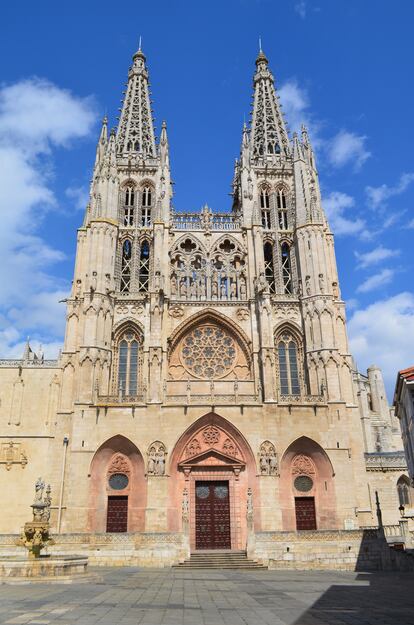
{"x": 288, "y": 366}
{"x": 147, "y": 198}
{"x": 128, "y": 363}
{"x": 403, "y": 489}
{"x": 265, "y": 208}
{"x": 282, "y": 214}
{"x": 286, "y": 269}
{"x": 126, "y": 266}
{"x": 129, "y": 204}
{"x": 144, "y": 267}
{"x": 269, "y": 266}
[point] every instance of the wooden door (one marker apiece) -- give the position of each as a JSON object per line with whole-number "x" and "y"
{"x": 305, "y": 513}
{"x": 212, "y": 515}
{"x": 117, "y": 515}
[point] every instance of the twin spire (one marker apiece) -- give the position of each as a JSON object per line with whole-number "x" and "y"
{"x": 267, "y": 135}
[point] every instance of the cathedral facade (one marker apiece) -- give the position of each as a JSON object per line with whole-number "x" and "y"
{"x": 205, "y": 389}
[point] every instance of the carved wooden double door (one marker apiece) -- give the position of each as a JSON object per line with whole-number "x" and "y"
{"x": 305, "y": 513}
{"x": 212, "y": 515}
{"x": 117, "y": 515}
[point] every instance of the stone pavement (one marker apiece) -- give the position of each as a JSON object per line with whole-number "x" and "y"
{"x": 132, "y": 596}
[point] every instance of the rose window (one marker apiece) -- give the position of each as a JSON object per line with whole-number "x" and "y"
{"x": 208, "y": 352}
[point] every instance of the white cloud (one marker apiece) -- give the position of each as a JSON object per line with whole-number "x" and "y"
{"x": 375, "y": 256}
{"x": 347, "y": 147}
{"x": 295, "y": 102}
{"x": 383, "y": 333}
{"x": 411, "y": 224}
{"x": 378, "y": 279}
{"x": 79, "y": 195}
{"x": 35, "y": 117}
{"x": 336, "y": 204}
{"x": 300, "y": 8}
{"x": 378, "y": 196}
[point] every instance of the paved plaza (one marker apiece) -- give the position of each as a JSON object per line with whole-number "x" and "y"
{"x": 130, "y": 596}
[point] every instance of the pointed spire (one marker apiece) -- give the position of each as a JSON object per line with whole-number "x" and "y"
{"x": 164, "y": 149}
{"x": 109, "y": 162}
{"x": 297, "y": 148}
{"x": 136, "y": 130}
{"x": 268, "y": 130}
{"x": 103, "y": 140}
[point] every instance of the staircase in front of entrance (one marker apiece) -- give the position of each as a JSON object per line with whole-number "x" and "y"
{"x": 218, "y": 559}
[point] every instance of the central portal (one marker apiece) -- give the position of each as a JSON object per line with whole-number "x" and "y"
{"x": 212, "y": 515}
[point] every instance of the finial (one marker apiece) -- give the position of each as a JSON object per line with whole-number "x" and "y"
{"x": 260, "y": 43}
{"x": 140, "y": 40}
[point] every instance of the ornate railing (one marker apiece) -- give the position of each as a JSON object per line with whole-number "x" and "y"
{"x": 105, "y": 400}
{"x": 196, "y": 221}
{"x": 301, "y": 399}
{"x": 11, "y": 362}
{"x": 211, "y": 398}
{"x": 385, "y": 461}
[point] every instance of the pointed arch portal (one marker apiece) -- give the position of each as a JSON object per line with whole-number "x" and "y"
{"x": 214, "y": 464}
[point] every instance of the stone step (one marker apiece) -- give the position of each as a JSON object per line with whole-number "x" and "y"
{"x": 219, "y": 560}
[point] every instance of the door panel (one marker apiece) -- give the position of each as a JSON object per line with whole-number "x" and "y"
{"x": 212, "y": 515}
{"x": 117, "y": 515}
{"x": 305, "y": 513}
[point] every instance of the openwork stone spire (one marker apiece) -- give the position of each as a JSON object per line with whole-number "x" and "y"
{"x": 135, "y": 130}
{"x": 268, "y": 131}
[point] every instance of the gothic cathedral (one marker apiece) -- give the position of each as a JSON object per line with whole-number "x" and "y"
{"x": 205, "y": 396}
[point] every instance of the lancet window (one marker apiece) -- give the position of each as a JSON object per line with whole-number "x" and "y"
{"x": 288, "y": 365}
{"x": 126, "y": 266}
{"x": 265, "y": 208}
{"x": 144, "y": 267}
{"x": 282, "y": 213}
{"x": 146, "y": 206}
{"x": 128, "y": 366}
{"x": 286, "y": 269}
{"x": 129, "y": 205}
{"x": 269, "y": 266}
{"x": 197, "y": 275}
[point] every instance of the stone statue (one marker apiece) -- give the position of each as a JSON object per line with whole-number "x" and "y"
{"x": 173, "y": 285}
{"x": 78, "y": 288}
{"x": 39, "y": 488}
{"x": 262, "y": 284}
{"x": 48, "y": 501}
{"x": 183, "y": 287}
{"x": 268, "y": 462}
{"x": 223, "y": 290}
{"x": 156, "y": 458}
{"x": 94, "y": 281}
{"x": 214, "y": 287}
{"x": 249, "y": 507}
{"x": 202, "y": 287}
{"x": 185, "y": 506}
{"x": 243, "y": 291}
{"x": 321, "y": 283}
{"x": 233, "y": 290}
{"x": 308, "y": 286}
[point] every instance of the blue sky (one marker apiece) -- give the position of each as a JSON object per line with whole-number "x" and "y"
{"x": 342, "y": 66}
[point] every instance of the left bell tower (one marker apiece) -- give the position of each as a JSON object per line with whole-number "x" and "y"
{"x": 121, "y": 247}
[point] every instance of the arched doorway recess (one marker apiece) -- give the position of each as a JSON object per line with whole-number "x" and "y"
{"x": 117, "y": 495}
{"x": 307, "y": 488}
{"x": 214, "y": 465}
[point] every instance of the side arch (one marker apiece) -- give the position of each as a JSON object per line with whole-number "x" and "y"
{"x": 323, "y": 489}
{"x": 99, "y": 489}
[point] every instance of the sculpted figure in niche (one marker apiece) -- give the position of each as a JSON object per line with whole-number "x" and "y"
{"x": 307, "y": 283}
{"x": 243, "y": 292}
{"x": 173, "y": 285}
{"x": 268, "y": 462}
{"x": 183, "y": 287}
{"x": 223, "y": 290}
{"x": 156, "y": 459}
{"x": 214, "y": 287}
{"x": 233, "y": 290}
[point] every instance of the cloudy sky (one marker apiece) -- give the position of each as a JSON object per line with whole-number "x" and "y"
{"x": 344, "y": 67}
